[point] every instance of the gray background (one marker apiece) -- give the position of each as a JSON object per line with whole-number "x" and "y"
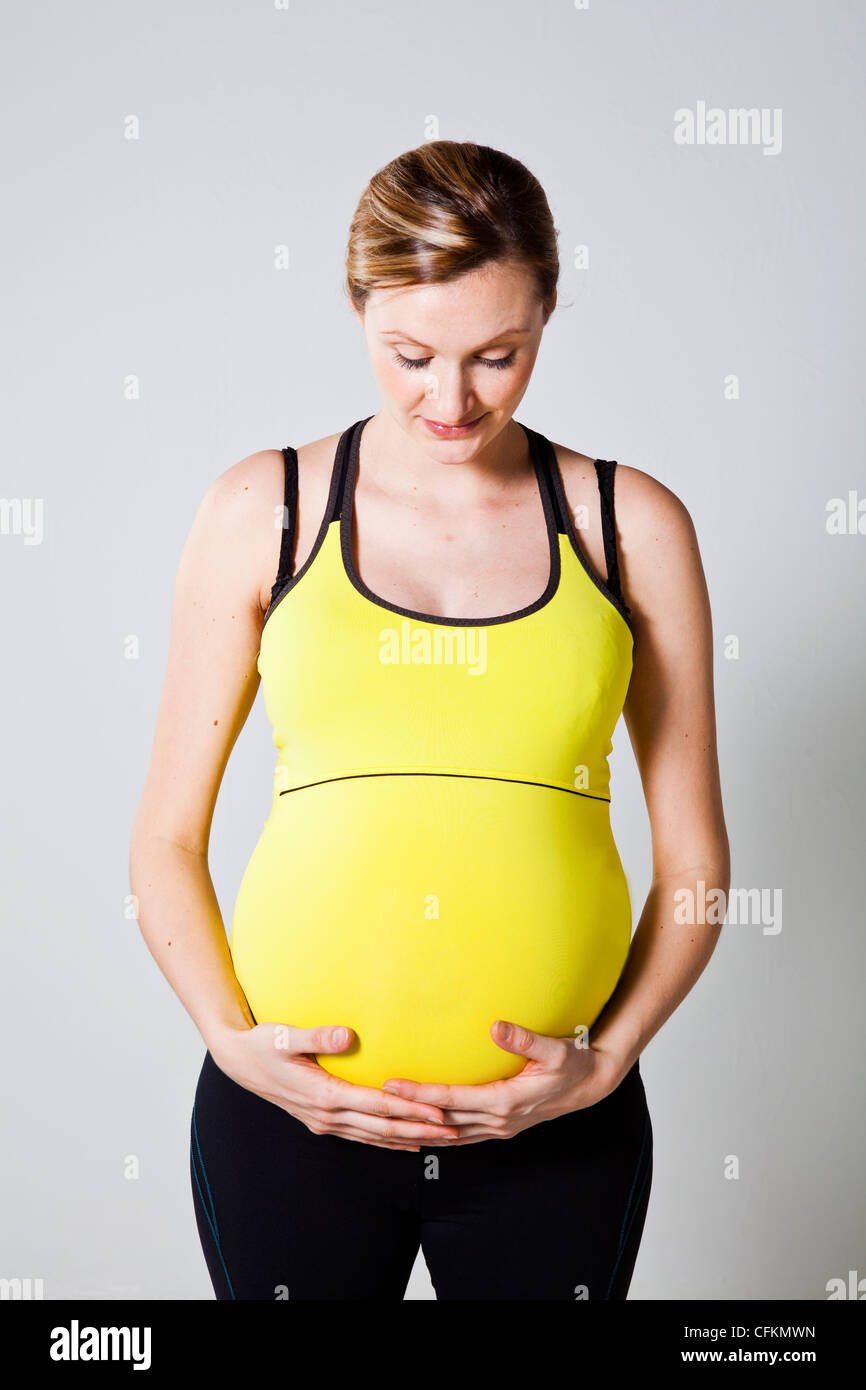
{"x": 154, "y": 257}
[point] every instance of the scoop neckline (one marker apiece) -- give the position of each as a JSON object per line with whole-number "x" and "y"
{"x": 347, "y": 509}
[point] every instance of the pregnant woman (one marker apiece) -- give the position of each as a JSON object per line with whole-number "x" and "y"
{"x": 424, "y": 1029}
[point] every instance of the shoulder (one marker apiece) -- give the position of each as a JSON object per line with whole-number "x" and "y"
{"x": 246, "y": 486}
{"x": 641, "y": 501}
{"x": 649, "y": 515}
{"x": 656, "y": 540}
{"x": 257, "y": 482}
{"x": 242, "y": 510}
{"x": 577, "y": 469}
{"x": 660, "y": 561}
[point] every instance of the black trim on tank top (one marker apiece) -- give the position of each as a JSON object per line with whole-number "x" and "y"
{"x": 604, "y": 470}
{"x": 290, "y": 517}
{"x": 606, "y": 473}
{"x": 347, "y": 498}
{"x": 342, "y": 465}
{"x": 284, "y": 585}
{"x": 554, "y": 501}
{"x": 484, "y": 777}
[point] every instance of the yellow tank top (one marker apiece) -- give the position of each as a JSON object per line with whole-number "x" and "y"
{"x": 438, "y": 852}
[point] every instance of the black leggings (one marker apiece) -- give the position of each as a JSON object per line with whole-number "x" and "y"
{"x": 555, "y": 1212}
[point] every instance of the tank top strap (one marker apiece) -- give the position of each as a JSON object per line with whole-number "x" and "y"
{"x": 606, "y": 472}
{"x": 340, "y": 473}
{"x": 605, "y": 469}
{"x": 549, "y": 474}
{"x": 290, "y": 518}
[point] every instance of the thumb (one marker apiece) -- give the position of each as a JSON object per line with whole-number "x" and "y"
{"x": 511, "y": 1037}
{"x": 325, "y": 1038}
{"x": 328, "y": 1039}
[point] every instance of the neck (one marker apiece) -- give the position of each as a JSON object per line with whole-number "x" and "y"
{"x": 459, "y": 474}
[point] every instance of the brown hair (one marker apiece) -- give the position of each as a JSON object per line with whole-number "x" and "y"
{"x": 445, "y": 208}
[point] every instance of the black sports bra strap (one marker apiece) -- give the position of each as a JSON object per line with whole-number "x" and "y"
{"x": 339, "y": 476}
{"x": 290, "y": 517}
{"x": 543, "y": 449}
{"x": 605, "y": 471}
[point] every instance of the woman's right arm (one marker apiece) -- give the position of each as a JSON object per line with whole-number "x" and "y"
{"x": 209, "y": 688}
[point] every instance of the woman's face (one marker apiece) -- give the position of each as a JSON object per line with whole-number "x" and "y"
{"x": 453, "y": 360}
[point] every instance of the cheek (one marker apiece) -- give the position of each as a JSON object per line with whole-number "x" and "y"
{"x": 506, "y": 386}
{"x": 397, "y": 383}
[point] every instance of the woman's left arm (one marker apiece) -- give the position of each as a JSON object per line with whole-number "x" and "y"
{"x": 670, "y": 716}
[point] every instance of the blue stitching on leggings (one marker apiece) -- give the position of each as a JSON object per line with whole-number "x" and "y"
{"x": 634, "y": 1180}
{"x": 637, "y": 1202}
{"x": 207, "y": 1184}
{"x": 211, "y": 1224}
{"x": 208, "y": 1220}
{"x": 624, "y": 1231}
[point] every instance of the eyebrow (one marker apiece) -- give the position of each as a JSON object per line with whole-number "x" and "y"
{"x": 405, "y": 338}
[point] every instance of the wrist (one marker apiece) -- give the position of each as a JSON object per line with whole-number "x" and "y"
{"x": 219, "y": 1037}
{"x": 620, "y": 1044}
{"x": 599, "y": 1073}
{"x": 615, "y": 1059}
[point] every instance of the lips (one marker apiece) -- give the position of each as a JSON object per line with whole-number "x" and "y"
{"x": 445, "y": 431}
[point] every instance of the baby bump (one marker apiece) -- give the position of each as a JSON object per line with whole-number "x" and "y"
{"x": 417, "y": 909}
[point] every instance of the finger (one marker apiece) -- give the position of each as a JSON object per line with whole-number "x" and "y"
{"x": 324, "y": 1038}
{"x": 460, "y": 1105}
{"x": 474, "y": 1134}
{"x": 340, "y": 1129}
{"x": 442, "y": 1097}
{"x": 408, "y": 1145}
{"x": 346, "y": 1095}
{"x": 478, "y": 1139}
{"x": 462, "y": 1118}
{"x": 357, "y": 1136}
{"x": 535, "y": 1047}
{"x": 510, "y": 1037}
{"x": 452, "y": 1143}
{"x": 395, "y": 1128}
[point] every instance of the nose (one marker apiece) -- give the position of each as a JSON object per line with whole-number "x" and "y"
{"x": 450, "y": 389}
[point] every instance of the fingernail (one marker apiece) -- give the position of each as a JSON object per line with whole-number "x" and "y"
{"x": 340, "y": 1036}
{"x": 504, "y": 1031}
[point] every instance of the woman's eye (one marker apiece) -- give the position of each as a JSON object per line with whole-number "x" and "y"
{"x": 413, "y": 363}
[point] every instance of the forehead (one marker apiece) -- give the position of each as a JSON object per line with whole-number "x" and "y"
{"x": 497, "y": 298}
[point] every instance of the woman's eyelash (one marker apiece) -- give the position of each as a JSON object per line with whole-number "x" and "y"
{"x": 415, "y": 363}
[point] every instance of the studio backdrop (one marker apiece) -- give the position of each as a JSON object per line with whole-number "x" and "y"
{"x": 179, "y": 182}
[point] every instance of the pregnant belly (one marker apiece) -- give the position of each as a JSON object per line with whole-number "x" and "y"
{"x": 417, "y": 910}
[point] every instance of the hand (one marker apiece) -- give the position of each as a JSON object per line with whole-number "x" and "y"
{"x": 277, "y": 1062}
{"x": 558, "y": 1077}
